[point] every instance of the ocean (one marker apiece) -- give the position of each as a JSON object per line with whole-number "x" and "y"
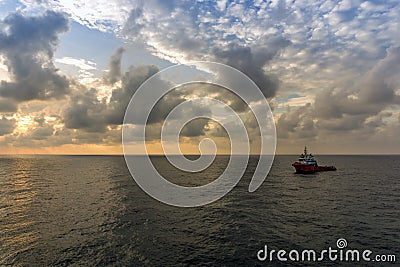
{"x": 88, "y": 211}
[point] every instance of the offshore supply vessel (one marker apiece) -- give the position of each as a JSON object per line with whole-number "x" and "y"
{"x": 307, "y": 164}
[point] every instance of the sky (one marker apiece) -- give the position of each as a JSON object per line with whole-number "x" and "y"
{"x": 329, "y": 70}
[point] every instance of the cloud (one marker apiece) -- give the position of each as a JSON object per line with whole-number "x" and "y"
{"x": 42, "y": 133}
{"x": 297, "y": 122}
{"x": 6, "y": 126}
{"x": 333, "y": 54}
{"x": 359, "y": 107}
{"x": 88, "y": 113}
{"x": 120, "y": 97}
{"x": 114, "y": 74}
{"x": 27, "y": 44}
{"x": 195, "y": 128}
{"x": 77, "y": 62}
{"x": 49, "y": 136}
{"x": 85, "y": 112}
{"x": 252, "y": 61}
{"x": 367, "y": 96}
{"x": 7, "y": 105}
{"x": 104, "y": 15}
{"x": 360, "y": 31}
{"x": 196, "y": 37}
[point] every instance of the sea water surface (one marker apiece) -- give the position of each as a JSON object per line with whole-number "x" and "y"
{"x": 88, "y": 211}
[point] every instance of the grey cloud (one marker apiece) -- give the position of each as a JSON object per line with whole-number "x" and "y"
{"x": 131, "y": 81}
{"x": 134, "y": 24}
{"x": 27, "y": 43}
{"x": 47, "y": 136}
{"x": 216, "y": 130}
{"x": 173, "y": 99}
{"x": 120, "y": 97}
{"x": 299, "y": 121}
{"x": 42, "y": 133}
{"x": 40, "y": 120}
{"x": 164, "y": 107}
{"x": 378, "y": 120}
{"x": 114, "y": 73}
{"x": 358, "y": 108}
{"x": 368, "y": 96}
{"x": 346, "y": 123}
{"x": 7, "y": 105}
{"x": 171, "y": 36}
{"x": 190, "y": 39}
{"x": 217, "y": 92}
{"x": 68, "y": 136}
{"x": 252, "y": 60}
{"x": 195, "y": 128}
{"x": 389, "y": 67}
{"x": 6, "y": 126}
{"x": 85, "y": 112}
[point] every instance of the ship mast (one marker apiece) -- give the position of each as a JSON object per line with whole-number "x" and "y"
{"x": 305, "y": 151}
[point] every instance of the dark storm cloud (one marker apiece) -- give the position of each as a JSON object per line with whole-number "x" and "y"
{"x": 114, "y": 73}
{"x": 27, "y": 43}
{"x": 6, "y": 126}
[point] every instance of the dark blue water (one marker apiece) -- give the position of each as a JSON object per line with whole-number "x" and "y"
{"x": 88, "y": 211}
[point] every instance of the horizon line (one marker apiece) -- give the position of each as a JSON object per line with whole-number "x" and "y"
{"x": 121, "y": 154}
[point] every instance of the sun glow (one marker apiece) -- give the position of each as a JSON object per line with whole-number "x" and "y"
{"x": 23, "y": 123}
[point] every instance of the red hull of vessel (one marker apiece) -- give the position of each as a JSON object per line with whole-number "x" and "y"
{"x": 326, "y": 168}
{"x": 304, "y": 168}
